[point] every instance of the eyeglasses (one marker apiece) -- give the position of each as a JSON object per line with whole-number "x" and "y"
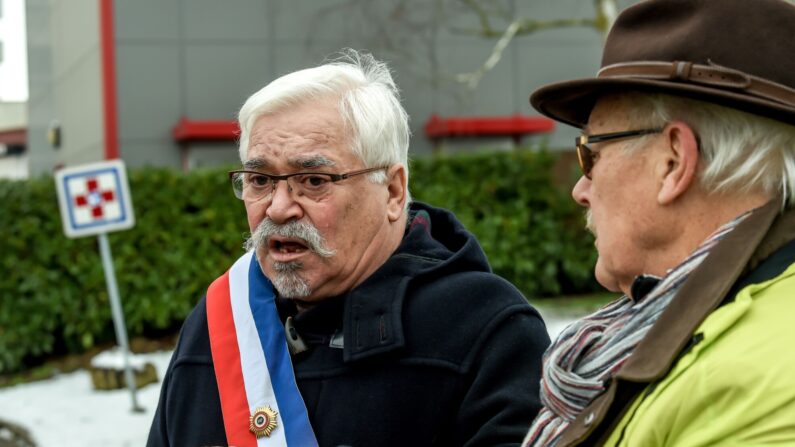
{"x": 252, "y": 185}
{"x": 587, "y": 157}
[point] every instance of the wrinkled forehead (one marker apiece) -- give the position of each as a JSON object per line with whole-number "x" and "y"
{"x": 611, "y": 112}
{"x": 307, "y": 135}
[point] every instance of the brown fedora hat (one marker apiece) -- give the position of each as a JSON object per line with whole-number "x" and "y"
{"x": 737, "y": 53}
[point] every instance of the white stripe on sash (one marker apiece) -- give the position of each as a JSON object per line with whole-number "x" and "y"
{"x": 256, "y": 377}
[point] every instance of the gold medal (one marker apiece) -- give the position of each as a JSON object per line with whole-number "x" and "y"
{"x": 262, "y": 422}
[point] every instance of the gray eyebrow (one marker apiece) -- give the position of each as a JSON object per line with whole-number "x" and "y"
{"x": 255, "y": 163}
{"x": 311, "y": 162}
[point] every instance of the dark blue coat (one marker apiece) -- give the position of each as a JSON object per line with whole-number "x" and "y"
{"x": 437, "y": 351}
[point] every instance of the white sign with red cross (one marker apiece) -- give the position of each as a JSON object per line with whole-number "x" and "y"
{"x": 94, "y": 198}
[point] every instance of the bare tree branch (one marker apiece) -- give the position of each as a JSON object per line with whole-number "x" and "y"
{"x": 482, "y": 14}
{"x": 518, "y": 27}
{"x": 606, "y": 12}
{"x": 472, "y": 79}
{"x": 529, "y": 26}
{"x": 414, "y": 27}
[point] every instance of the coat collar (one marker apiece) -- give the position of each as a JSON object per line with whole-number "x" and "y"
{"x": 741, "y": 251}
{"x": 753, "y": 240}
{"x": 701, "y": 293}
{"x": 373, "y": 319}
{"x": 366, "y": 321}
{"x": 370, "y": 317}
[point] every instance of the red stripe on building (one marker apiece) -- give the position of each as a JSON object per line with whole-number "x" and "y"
{"x": 17, "y": 136}
{"x": 203, "y": 130}
{"x": 481, "y": 126}
{"x": 108, "y": 48}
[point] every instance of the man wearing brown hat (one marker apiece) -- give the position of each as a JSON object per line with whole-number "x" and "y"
{"x": 688, "y": 160}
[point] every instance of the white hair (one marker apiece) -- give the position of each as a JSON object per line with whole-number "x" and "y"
{"x": 369, "y": 103}
{"x": 741, "y": 152}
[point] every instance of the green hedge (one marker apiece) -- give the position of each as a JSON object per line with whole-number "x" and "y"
{"x": 189, "y": 228}
{"x": 531, "y": 230}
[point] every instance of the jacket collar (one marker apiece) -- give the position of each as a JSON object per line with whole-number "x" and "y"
{"x": 369, "y": 318}
{"x": 753, "y": 240}
{"x": 702, "y": 292}
{"x": 373, "y": 318}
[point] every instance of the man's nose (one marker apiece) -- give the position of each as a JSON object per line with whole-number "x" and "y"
{"x": 283, "y": 206}
{"x": 580, "y": 191}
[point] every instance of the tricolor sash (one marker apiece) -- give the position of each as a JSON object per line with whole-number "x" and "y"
{"x": 260, "y": 401}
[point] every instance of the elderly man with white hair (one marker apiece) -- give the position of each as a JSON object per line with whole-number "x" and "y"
{"x": 688, "y": 160}
{"x": 356, "y": 317}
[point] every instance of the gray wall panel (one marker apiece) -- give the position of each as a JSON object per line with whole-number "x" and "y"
{"x": 151, "y": 152}
{"x": 217, "y": 20}
{"x": 63, "y": 48}
{"x": 150, "y": 91}
{"x": 81, "y": 155}
{"x": 147, "y": 19}
{"x": 40, "y": 114}
{"x": 206, "y": 155}
{"x": 40, "y": 78}
{"x": 40, "y": 100}
{"x": 549, "y": 10}
{"x": 219, "y": 77}
{"x": 80, "y": 111}
{"x": 202, "y": 59}
{"x": 548, "y": 56}
{"x": 75, "y": 29}
{"x": 493, "y": 95}
{"x": 290, "y": 56}
{"x": 309, "y": 21}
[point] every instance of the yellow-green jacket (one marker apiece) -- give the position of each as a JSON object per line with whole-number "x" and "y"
{"x": 718, "y": 367}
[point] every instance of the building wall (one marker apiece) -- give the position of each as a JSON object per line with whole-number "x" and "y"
{"x": 13, "y": 91}
{"x": 13, "y": 82}
{"x": 40, "y": 100}
{"x": 13, "y": 167}
{"x": 65, "y": 83}
{"x": 201, "y": 59}
{"x": 13, "y": 158}
{"x": 13, "y": 115}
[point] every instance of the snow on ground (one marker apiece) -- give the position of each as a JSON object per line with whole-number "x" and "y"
{"x": 66, "y": 411}
{"x": 555, "y": 320}
{"x": 554, "y": 327}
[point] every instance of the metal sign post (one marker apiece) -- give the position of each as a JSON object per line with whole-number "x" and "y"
{"x": 95, "y": 199}
{"x": 118, "y": 316}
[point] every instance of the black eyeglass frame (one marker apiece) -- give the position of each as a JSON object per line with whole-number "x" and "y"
{"x": 585, "y": 156}
{"x": 274, "y": 179}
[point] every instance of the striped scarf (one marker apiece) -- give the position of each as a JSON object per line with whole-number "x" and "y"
{"x": 578, "y": 365}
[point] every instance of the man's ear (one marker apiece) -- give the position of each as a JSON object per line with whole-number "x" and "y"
{"x": 396, "y": 187}
{"x": 679, "y": 163}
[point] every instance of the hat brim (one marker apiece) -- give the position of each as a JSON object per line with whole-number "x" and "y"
{"x": 571, "y": 102}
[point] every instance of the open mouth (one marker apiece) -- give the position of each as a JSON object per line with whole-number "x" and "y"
{"x": 286, "y": 246}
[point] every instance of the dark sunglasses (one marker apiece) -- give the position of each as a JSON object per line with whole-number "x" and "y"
{"x": 586, "y": 156}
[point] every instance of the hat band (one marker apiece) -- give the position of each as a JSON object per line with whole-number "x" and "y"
{"x": 711, "y": 75}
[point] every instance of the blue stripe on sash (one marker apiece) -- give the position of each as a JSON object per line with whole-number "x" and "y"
{"x": 297, "y": 429}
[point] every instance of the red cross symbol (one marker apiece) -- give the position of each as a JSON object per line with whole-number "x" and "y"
{"x": 94, "y": 198}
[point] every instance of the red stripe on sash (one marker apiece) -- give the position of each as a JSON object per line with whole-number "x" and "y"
{"x": 226, "y": 361}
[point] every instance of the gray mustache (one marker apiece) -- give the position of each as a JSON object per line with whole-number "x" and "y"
{"x": 293, "y": 229}
{"x": 589, "y": 222}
